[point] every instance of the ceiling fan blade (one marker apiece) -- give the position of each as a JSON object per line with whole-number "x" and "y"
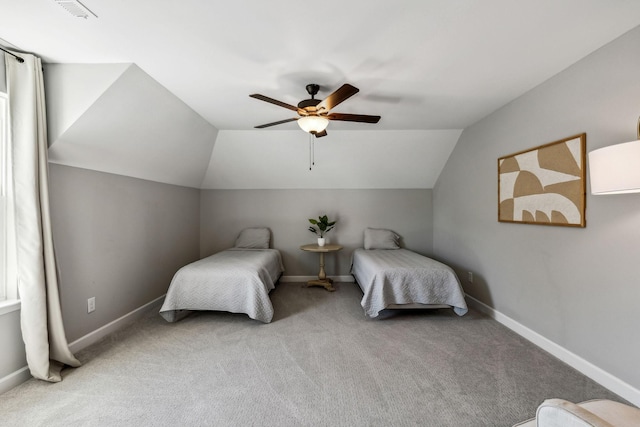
{"x": 362, "y": 118}
{"x": 345, "y": 91}
{"x": 276, "y": 123}
{"x": 321, "y": 134}
{"x": 273, "y": 101}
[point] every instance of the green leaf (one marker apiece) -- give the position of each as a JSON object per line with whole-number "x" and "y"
{"x": 323, "y": 224}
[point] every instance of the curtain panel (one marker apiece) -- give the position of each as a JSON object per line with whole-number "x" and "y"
{"x": 41, "y": 315}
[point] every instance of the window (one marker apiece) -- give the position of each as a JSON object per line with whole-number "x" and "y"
{"x": 3, "y": 198}
{"x": 8, "y": 289}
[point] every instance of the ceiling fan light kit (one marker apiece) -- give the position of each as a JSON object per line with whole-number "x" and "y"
{"x": 313, "y": 124}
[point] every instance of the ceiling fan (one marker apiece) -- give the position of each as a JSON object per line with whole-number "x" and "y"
{"x": 314, "y": 114}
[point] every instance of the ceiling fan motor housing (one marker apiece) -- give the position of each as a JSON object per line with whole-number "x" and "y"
{"x": 313, "y": 89}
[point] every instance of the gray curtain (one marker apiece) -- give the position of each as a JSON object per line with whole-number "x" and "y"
{"x": 41, "y": 316}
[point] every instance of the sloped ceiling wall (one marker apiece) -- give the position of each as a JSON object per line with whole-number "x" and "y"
{"x": 115, "y": 118}
{"x": 72, "y": 89}
{"x": 343, "y": 159}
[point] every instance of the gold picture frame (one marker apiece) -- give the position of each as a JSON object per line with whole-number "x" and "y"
{"x": 545, "y": 185}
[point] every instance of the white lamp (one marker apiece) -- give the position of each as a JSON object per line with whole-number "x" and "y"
{"x": 313, "y": 124}
{"x": 616, "y": 169}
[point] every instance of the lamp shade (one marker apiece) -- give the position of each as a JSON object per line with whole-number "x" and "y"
{"x": 615, "y": 169}
{"x": 313, "y": 124}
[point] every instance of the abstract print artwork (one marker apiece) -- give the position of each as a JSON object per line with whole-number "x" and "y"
{"x": 544, "y": 185}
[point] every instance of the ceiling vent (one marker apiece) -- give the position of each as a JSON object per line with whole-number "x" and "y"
{"x": 76, "y": 8}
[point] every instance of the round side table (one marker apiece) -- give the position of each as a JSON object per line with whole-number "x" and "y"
{"x": 322, "y": 279}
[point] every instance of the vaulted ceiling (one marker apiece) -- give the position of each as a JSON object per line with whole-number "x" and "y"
{"x": 159, "y": 90}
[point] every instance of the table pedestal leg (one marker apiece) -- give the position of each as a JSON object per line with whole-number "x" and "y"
{"x": 322, "y": 277}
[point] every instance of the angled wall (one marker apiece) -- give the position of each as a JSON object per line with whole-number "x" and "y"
{"x": 577, "y": 287}
{"x": 374, "y": 159}
{"x": 117, "y": 119}
{"x": 71, "y": 89}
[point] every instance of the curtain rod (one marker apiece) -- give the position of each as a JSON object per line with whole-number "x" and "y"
{"x": 12, "y": 54}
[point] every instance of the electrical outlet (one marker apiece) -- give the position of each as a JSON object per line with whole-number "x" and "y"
{"x": 470, "y": 276}
{"x": 91, "y": 304}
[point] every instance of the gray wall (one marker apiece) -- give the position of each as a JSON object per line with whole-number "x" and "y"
{"x": 118, "y": 239}
{"x": 580, "y": 288}
{"x": 12, "y": 356}
{"x": 286, "y": 213}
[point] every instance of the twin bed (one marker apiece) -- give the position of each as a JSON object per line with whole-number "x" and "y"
{"x": 239, "y": 279}
{"x": 395, "y": 278}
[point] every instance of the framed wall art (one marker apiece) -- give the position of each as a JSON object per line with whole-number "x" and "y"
{"x": 544, "y": 185}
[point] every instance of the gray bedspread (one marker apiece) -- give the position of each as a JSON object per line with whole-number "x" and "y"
{"x": 234, "y": 280}
{"x": 401, "y": 276}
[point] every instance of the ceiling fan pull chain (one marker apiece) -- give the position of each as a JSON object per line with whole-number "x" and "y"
{"x": 313, "y": 150}
{"x": 310, "y": 142}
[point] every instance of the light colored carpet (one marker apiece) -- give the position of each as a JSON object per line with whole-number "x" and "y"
{"x": 319, "y": 363}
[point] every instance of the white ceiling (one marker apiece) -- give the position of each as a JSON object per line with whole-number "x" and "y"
{"x": 420, "y": 64}
{"x": 423, "y": 65}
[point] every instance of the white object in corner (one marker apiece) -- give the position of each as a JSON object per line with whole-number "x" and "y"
{"x": 615, "y": 169}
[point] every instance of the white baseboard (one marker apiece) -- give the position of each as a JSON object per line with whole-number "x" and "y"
{"x": 18, "y": 377}
{"x": 98, "y": 334}
{"x": 14, "y": 379}
{"x": 289, "y": 279}
{"x": 597, "y": 374}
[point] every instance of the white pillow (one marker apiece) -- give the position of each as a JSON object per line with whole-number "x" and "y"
{"x": 253, "y": 238}
{"x": 379, "y": 238}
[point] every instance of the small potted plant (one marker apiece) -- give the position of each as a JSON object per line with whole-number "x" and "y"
{"x": 324, "y": 226}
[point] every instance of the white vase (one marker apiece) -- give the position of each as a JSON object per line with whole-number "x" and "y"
{"x": 321, "y": 241}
